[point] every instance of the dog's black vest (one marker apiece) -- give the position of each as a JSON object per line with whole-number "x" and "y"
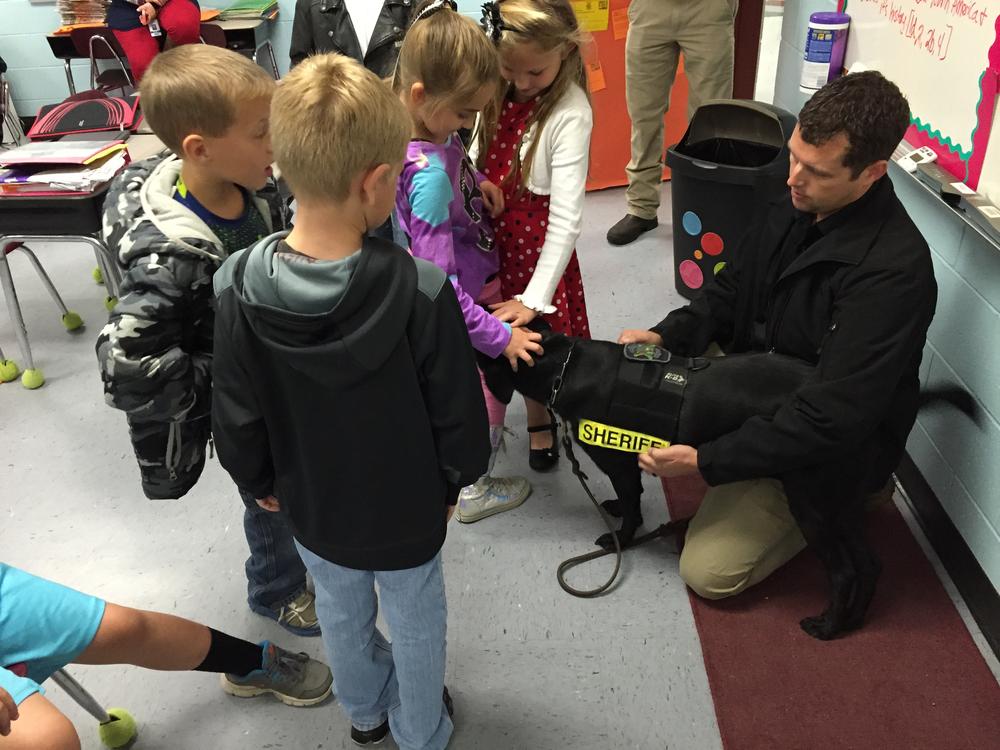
{"x": 648, "y": 393}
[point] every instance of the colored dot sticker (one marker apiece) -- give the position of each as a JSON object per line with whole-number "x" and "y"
{"x": 718, "y": 267}
{"x": 691, "y": 222}
{"x": 698, "y": 254}
{"x": 712, "y": 243}
{"x": 691, "y": 274}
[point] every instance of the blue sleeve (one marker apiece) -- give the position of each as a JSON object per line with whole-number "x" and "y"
{"x": 19, "y": 688}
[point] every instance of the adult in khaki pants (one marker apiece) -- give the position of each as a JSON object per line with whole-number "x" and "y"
{"x": 659, "y": 31}
{"x": 837, "y": 275}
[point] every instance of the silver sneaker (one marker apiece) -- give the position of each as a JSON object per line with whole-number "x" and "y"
{"x": 294, "y": 679}
{"x": 489, "y": 496}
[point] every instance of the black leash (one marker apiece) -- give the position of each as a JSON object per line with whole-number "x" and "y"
{"x": 672, "y": 528}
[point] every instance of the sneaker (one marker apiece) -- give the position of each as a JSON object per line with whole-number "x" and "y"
{"x": 491, "y": 495}
{"x": 298, "y": 616}
{"x": 294, "y": 679}
{"x": 629, "y": 228}
{"x": 374, "y": 736}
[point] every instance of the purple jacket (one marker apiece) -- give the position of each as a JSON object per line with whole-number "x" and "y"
{"x": 440, "y": 207}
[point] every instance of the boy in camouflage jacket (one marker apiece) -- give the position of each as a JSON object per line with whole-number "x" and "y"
{"x": 173, "y": 221}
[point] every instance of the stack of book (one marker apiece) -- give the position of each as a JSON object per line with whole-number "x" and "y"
{"x": 249, "y": 9}
{"x": 61, "y": 167}
{"x": 77, "y": 12}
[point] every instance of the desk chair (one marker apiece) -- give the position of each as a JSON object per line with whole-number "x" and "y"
{"x": 213, "y": 35}
{"x": 117, "y": 727}
{"x": 100, "y": 44}
{"x": 11, "y": 132}
{"x": 32, "y": 377}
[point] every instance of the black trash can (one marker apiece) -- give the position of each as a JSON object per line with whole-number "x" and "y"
{"x": 732, "y": 160}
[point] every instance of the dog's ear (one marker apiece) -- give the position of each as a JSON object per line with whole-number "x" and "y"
{"x": 498, "y": 375}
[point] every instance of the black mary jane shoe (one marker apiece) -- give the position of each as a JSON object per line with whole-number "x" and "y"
{"x": 543, "y": 459}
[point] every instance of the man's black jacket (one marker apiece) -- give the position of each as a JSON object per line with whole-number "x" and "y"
{"x": 325, "y": 26}
{"x": 857, "y": 302}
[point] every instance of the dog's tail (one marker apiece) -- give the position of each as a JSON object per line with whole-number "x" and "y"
{"x": 958, "y": 397}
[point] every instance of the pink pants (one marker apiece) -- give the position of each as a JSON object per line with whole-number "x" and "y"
{"x": 495, "y": 409}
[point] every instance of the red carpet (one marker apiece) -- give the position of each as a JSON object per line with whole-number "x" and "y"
{"x": 911, "y": 679}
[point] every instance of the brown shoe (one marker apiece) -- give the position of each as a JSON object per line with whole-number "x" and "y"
{"x": 629, "y": 228}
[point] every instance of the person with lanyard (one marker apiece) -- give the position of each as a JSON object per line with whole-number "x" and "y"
{"x": 130, "y": 21}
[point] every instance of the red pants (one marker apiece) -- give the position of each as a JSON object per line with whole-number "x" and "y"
{"x": 180, "y": 21}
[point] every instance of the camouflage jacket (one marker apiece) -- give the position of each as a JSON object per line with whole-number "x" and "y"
{"x": 155, "y": 353}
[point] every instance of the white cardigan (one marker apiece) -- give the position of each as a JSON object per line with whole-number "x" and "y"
{"x": 563, "y": 160}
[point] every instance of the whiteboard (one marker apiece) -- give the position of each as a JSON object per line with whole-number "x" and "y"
{"x": 943, "y": 55}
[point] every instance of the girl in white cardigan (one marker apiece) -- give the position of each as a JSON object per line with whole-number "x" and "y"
{"x": 535, "y": 144}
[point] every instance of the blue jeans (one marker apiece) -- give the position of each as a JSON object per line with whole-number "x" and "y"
{"x": 275, "y": 573}
{"x": 404, "y": 680}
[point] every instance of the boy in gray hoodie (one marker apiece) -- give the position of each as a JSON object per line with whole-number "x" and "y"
{"x": 347, "y": 399}
{"x": 174, "y": 220}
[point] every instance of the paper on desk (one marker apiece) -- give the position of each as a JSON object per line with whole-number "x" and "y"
{"x": 82, "y": 178}
{"x": 60, "y": 152}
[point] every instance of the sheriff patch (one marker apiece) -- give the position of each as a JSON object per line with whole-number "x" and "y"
{"x": 615, "y": 438}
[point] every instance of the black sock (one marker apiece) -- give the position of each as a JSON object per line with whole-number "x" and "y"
{"x": 231, "y": 655}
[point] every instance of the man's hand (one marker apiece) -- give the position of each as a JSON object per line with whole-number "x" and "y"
{"x": 513, "y": 312}
{"x": 449, "y": 512}
{"x": 523, "y": 343}
{"x": 672, "y": 461}
{"x": 269, "y": 503}
{"x": 492, "y": 198}
{"x": 638, "y": 336}
{"x": 8, "y": 712}
{"x": 147, "y": 13}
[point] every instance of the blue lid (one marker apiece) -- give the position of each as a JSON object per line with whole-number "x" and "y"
{"x": 828, "y": 17}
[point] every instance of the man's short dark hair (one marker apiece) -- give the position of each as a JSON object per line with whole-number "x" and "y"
{"x": 866, "y": 107}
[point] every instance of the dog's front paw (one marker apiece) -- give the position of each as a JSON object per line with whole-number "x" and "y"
{"x": 606, "y": 542}
{"x": 821, "y": 627}
{"x": 613, "y": 508}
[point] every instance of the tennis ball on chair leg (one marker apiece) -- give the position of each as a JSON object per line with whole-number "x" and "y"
{"x": 72, "y": 321}
{"x": 120, "y": 731}
{"x": 32, "y": 379}
{"x": 8, "y": 370}
{"x": 98, "y": 276}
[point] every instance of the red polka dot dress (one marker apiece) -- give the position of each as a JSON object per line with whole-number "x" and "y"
{"x": 520, "y": 229}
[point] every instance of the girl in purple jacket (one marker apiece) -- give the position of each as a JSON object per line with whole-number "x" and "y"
{"x": 447, "y": 73}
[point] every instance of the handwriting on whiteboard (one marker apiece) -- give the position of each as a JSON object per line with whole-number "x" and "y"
{"x": 926, "y": 26}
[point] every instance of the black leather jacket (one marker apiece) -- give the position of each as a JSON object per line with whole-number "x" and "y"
{"x": 325, "y": 26}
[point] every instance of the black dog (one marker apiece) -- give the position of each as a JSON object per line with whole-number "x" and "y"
{"x": 699, "y": 400}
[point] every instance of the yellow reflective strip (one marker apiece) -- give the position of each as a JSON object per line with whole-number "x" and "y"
{"x": 615, "y": 438}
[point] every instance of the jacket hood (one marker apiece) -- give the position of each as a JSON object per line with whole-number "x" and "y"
{"x": 333, "y": 321}
{"x": 142, "y": 217}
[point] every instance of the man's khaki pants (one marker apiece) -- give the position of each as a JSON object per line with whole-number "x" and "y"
{"x": 659, "y": 31}
{"x": 742, "y": 533}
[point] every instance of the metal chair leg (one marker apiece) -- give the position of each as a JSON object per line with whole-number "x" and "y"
{"x": 14, "y": 309}
{"x": 45, "y": 278}
{"x": 77, "y": 692}
{"x": 266, "y": 44}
